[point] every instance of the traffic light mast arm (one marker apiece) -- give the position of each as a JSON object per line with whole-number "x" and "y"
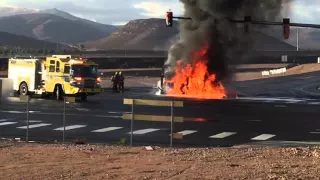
{"x": 277, "y": 23}
{"x": 264, "y": 23}
{"x": 177, "y": 17}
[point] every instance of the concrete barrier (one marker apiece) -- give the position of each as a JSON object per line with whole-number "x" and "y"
{"x": 274, "y": 71}
{"x": 6, "y": 88}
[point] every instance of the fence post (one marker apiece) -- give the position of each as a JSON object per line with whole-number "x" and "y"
{"x": 27, "y": 134}
{"x": 172, "y": 115}
{"x": 132, "y": 117}
{"x": 64, "y": 119}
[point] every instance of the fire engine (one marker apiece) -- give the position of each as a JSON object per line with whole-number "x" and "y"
{"x": 57, "y": 76}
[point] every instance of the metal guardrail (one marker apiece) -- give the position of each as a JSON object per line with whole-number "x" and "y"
{"x": 144, "y": 117}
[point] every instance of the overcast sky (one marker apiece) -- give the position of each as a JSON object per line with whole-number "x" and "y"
{"x": 121, "y": 11}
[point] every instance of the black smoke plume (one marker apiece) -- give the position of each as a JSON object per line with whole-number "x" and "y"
{"x": 210, "y": 25}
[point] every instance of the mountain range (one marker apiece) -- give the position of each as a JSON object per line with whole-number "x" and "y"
{"x": 53, "y": 25}
{"x": 9, "y": 41}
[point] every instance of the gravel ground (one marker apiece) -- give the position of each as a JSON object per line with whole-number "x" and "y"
{"x": 33, "y": 161}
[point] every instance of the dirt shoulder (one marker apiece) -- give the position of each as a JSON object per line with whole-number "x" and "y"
{"x": 33, "y": 161}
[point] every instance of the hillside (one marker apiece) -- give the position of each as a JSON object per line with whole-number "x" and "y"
{"x": 264, "y": 42}
{"x": 308, "y": 37}
{"x": 152, "y": 34}
{"x": 10, "y": 11}
{"x": 138, "y": 34}
{"x": 104, "y": 28}
{"x": 16, "y": 41}
{"x": 49, "y": 27}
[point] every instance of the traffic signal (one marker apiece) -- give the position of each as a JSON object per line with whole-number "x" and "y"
{"x": 247, "y": 23}
{"x": 286, "y": 28}
{"x": 169, "y": 17}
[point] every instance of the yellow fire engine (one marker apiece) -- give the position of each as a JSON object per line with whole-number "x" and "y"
{"x": 56, "y": 76}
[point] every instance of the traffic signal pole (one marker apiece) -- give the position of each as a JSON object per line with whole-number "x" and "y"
{"x": 286, "y": 24}
{"x": 177, "y": 17}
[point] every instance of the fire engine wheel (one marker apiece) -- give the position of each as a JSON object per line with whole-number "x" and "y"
{"x": 59, "y": 92}
{"x": 23, "y": 89}
{"x": 84, "y": 97}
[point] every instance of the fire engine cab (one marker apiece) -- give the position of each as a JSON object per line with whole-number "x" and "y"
{"x": 56, "y": 76}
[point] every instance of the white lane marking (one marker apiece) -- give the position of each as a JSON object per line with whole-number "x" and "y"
{"x": 313, "y": 103}
{"x": 7, "y": 123}
{"x": 291, "y": 102}
{"x": 144, "y": 131}
{"x": 271, "y": 99}
{"x": 263, "y": 137}
{"x": 20, "y": 112}
{"x": 2, "y": 120}
{"x": 186, "y": 132}
{"x": 223, "y": 135}
{"x": 34, "y": 126}
{"x": 83, "y": 109}
{"x": 70, "y": 127}
{"x": 254, "y": 120}
{"x": 115, "y": 112}
{"x": 71, "y": 114}
{"x": 107, "y": 129}
{"x": 33, "y": 111}
{"x": 33, "y": 121}
{"x": 268, "y": 101}
{"x": 315, "y": 132}
{"x": 107, "y": 116}
{"x": 14, "y": 112}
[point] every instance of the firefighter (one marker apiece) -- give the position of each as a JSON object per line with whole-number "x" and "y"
{"x": 121, "y": 82}
{"x": 184, "y": 86}
{"x": 114, "y": 81}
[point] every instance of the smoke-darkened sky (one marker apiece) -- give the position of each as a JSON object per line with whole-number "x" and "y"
{"x": 121, "y": 11}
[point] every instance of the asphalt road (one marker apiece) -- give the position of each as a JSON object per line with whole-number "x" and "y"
{"x": 207, "y": 122}
{"x": 297, "y": 86}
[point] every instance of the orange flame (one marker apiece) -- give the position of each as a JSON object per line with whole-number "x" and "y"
{"x": 194, "y": 79}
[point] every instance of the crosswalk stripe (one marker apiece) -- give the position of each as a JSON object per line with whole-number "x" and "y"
{"x": 144, "y": 131}
{"x": 7, "y": 123}
{"x": 107, "y": 129}
{"x": 70, "y": 127}
{"x": 186, "y": 132}
{"x": 34, "y": 126}
{"x": 83, "y": 109}
{"x": 19, "y": 112}
{"x": 263, "y": 137}
{"x": 33, "y": 121}
{"x": 118, "y": 112}
{"x": 313, "y": 102}
{"x": 2, "y": 120}
{"x": 15, "y": 112}
{"x": 223, "y": 135}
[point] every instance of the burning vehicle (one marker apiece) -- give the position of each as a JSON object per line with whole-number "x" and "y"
{"x": 192, "y": 80}
{"x": 198, "y": 62}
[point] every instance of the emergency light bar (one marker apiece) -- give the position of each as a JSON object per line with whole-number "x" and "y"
{"x": 76, "y": 62}
{"x": 61, "y": 56}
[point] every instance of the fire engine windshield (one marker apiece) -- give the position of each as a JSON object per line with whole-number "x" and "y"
{"x": 84, "y": 71}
